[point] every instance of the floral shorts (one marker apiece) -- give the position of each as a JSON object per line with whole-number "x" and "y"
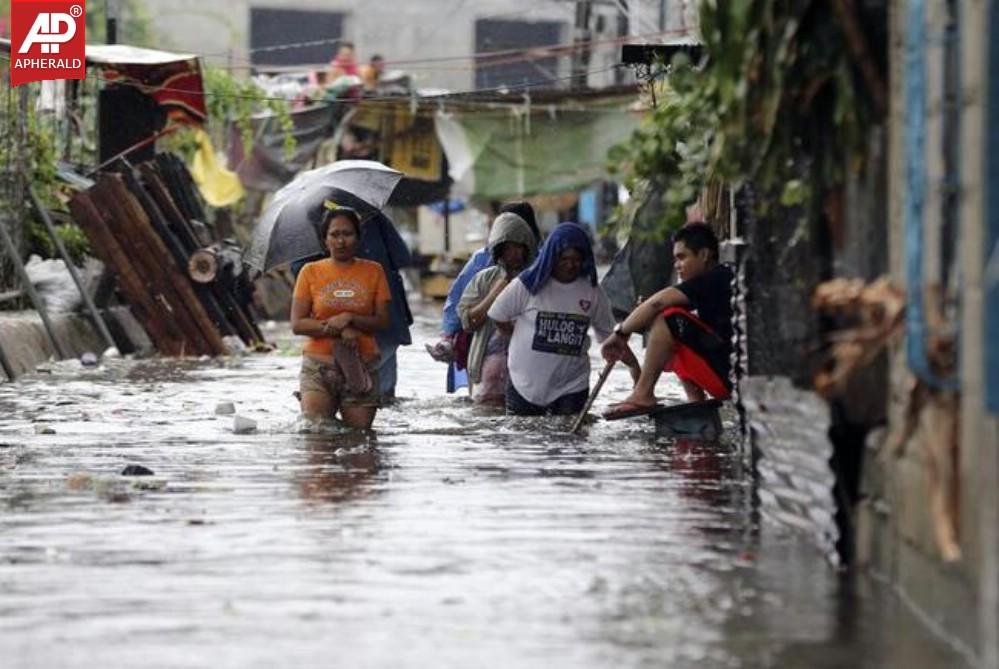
{"x": 325, "y": 377}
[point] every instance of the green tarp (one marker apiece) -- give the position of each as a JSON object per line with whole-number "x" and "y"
{"x": 509, "y": 152}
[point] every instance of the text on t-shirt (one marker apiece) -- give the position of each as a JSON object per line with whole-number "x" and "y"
{"x": 560, "y": 333}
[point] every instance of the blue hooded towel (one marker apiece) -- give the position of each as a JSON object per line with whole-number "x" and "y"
{"x": 564, "y": 236}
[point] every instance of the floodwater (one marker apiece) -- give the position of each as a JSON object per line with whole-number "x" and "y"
{"x": 454, "y": 537}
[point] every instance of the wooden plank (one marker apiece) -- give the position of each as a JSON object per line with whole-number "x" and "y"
{"x": 183, "y": 184}
{"x": 161, "y": 227}
{"x": 175, "y": 273}
{"x": 133, "y": 224}
{"x": 146, "y": 266}
{"x": 143, "y": 301}
{"x": 178, "y": 223}
{"x": 239, "y": 319}
{"x": 215, "y": 302}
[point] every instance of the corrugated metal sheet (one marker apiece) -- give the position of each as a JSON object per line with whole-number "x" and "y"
{"x": 789, "y": 429}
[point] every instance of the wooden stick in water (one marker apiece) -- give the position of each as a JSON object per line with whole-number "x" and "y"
{"x": 593, "y": 395}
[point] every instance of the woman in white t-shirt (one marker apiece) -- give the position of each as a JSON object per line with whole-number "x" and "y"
{"x": 550, "y": 308}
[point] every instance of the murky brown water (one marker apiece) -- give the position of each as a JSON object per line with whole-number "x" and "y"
{"x": 456, "y": 537}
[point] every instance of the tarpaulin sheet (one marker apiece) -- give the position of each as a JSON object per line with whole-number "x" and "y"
{"x": 645, "y": 265}
{"x": 268, "y": 167}
{"x": 123, "y": 54}
{"x": 219, "y": 186}
{"x": 175, "y": 85}
{"x": 510, "y": 152}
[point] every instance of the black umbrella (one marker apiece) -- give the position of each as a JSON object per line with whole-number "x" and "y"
{"x": 288, "y": 229}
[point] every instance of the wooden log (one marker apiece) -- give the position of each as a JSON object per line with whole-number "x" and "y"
{"x": 153, "y": 174}
{"x": 176, "y": 219}
{"x": 203, "y": 266}
{"x": 161, "y": 227}
{"x": 165, "y": 246}
{"x": 143, "y": 301}
{"x": 134, "y": 224}
{"x": 232, "y": 314}
{"x": 135, "y": 246}
{"x": 178, "y": 179}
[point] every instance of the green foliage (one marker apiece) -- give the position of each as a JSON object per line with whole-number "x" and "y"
{"x": 134, "y": 24}
{"x": 28, "y": 145}
{"x": 239, "y": 100}
{"x": 671, "y": 150}
{"x": 72, "y": 237}
{"x": 775, "y": 104}
{"x": 230, "y": 99}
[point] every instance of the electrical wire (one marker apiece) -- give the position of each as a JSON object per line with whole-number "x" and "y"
{"x": 337, "y": 40}
{"x": 450, "y": 97}
{"x": 493, "y": 58}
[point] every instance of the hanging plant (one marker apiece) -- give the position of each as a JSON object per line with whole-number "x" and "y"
{"x": 229, "y": 99}
{"x": 783, "y": 99}
{"x": 239, "y": 100}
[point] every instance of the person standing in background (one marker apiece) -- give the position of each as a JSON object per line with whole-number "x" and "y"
{"x": 381, "y": 242}
{"x": 513, "y": 247}
{"x": 443, "y": 349}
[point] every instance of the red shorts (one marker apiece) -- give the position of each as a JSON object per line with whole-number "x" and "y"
{"x": 701, "y": 357}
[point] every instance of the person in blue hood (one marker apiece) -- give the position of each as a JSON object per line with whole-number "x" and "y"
{"x": 550, "y": 308}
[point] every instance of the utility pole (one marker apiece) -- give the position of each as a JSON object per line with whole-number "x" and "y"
{"x": 623, "y": 30}
{"x": 111, "y": 21}
{"x": 581, "y": 50}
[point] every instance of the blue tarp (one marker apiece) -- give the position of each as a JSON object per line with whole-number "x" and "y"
{"x": 916, "y": 328}
{"x": 454, "y": 205}
{"x": 991, "y": 250}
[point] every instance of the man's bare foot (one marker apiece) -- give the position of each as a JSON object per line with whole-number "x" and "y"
{"x": 631, "y": 407}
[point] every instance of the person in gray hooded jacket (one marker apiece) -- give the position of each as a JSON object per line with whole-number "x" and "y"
{"x": 512, "y": 246}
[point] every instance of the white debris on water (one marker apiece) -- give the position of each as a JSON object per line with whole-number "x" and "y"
{"x": 234, "y": 345}
{"x": 243, "y": 425}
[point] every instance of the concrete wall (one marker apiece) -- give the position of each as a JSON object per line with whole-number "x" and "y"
{"x": 897, "y": 538}
{"x": 24, "y": 343}
{"x": 979, "y": 429}
{"x": 406, "y": 30}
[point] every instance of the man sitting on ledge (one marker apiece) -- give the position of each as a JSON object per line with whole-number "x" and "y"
{"x": 689, "y": 326}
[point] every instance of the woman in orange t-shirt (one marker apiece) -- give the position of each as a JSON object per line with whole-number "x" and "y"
{"x": 339, "y": 302}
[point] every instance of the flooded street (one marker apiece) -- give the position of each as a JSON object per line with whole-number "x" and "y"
{"x": 455, "y": 537}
